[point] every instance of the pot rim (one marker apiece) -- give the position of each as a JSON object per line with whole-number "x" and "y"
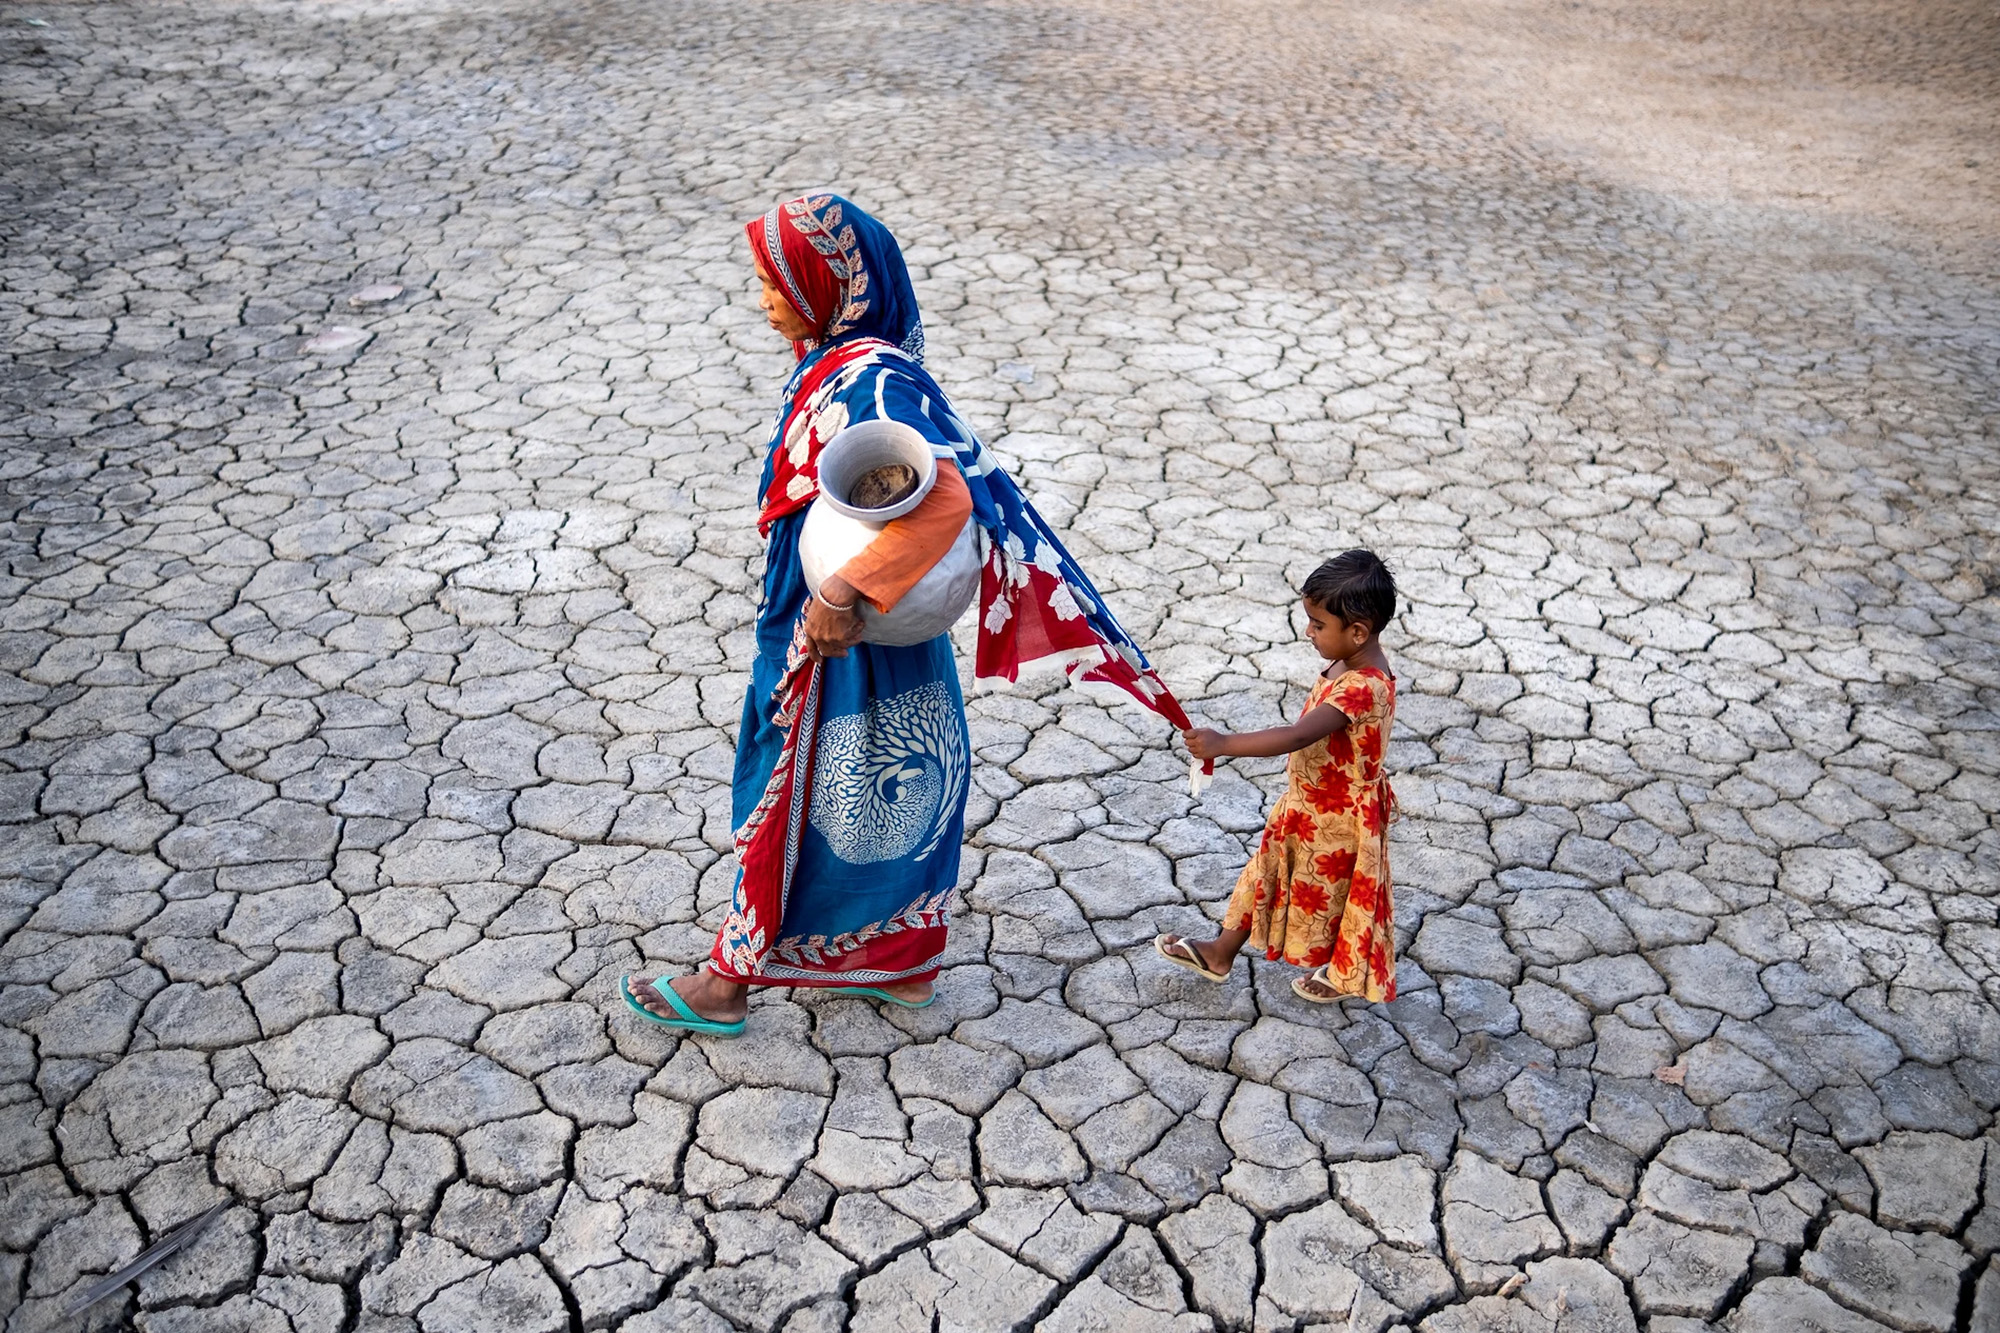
{"x": 868, "y": 444}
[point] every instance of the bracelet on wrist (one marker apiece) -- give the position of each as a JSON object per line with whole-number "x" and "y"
{"x": 834, "y": 606}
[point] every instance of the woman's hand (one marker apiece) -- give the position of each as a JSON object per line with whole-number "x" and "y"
{"x": 1204, "y": 743}
{"x": 831, "y": 632}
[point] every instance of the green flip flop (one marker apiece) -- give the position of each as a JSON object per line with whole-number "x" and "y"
{"x": 874, "y": 993}
{"x": 689, "y": 1019}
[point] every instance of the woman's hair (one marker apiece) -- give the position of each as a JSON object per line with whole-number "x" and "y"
{"x": 1356, "y": 586}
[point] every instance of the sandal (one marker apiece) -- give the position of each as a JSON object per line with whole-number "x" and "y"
{"x": 688, "y": 1019}
{"x": 875, "y": 993}
{"x": 1300, "y": 988}
{"x": 1182, "y": 954}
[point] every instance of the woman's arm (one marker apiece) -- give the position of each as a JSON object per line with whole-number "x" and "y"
{"x": 907, "y": 547}
{"x": 1316, "y": 725}
{"x": 833, "y": 620}
{"x": 901, "y": 554}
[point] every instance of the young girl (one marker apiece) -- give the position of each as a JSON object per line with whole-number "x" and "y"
{"x": 1316, "y": 894}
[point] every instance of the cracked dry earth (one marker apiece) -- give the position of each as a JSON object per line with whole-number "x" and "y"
{"x": 366, "y": 709}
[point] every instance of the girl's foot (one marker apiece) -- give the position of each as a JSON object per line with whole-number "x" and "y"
{"x": 1194, "y": 957}
{"x": 1313, "y": 988}
{"x": 708, "y": 995}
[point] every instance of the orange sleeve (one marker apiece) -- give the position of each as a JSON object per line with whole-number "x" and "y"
{"x": 907, "y": 547}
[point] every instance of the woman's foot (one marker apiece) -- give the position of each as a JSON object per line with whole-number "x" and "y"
{"x": 911, "y": 992}
{"x": 903, "y": 994}
{"x": 702, "y": 991}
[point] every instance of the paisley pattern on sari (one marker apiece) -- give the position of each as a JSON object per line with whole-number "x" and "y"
{"x": 852, "y": 774}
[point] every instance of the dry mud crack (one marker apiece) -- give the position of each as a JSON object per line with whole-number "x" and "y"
{"x": 366, "y": 699}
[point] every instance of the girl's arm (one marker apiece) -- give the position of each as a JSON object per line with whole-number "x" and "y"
{"x": 1316, "y": 725}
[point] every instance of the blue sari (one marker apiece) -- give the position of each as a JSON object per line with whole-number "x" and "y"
{"x": 852, "y": 773}
{"x": 875, "y": 856}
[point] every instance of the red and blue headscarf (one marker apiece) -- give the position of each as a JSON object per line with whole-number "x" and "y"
{"x": 840, "y": 270}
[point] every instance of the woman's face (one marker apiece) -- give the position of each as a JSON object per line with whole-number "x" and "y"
{"x": 778, "y": 312}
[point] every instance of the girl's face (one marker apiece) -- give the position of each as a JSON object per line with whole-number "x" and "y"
{"x": 778, "y": 312}
{"x": 1333, "y": 638}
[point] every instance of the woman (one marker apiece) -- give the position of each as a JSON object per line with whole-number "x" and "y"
{"x": 853, "y": 761}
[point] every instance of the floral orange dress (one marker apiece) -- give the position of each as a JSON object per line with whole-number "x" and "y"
{"x": 1317, "y": 891}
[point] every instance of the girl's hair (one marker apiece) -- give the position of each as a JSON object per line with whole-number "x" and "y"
{"x": 1356, "y": 586}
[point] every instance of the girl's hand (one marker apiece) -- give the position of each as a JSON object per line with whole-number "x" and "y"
{"x": 831, "y": 632}
{"x": 1203, "y": 742}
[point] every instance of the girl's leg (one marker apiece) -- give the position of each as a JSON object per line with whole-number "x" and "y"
{"x": 1220, "y": 952}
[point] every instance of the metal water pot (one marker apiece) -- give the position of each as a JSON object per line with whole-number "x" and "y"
{"x": 836, "y": 531}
